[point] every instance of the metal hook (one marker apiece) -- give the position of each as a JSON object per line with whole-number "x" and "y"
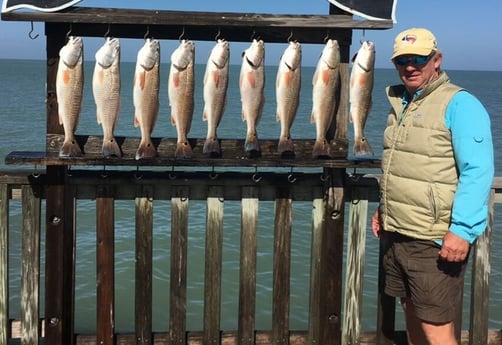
{"x": 363, "y": 37}
{"x": 103, "y": 173}
{"x": 291, "y": 177}
{"x": 182, "y": 34}
{"x": 147, "y": 32}
{"x": 256, "y": 178}
{"x": 327, "y": 36}
{"x": 253, "y": 35}
{"x": 213, "y": 175}
{"x": 137, "y": 174}
{"x": 69, "y": 32}
{"x": 107, "y": 33}
{"x": 172, "y": 175}
{"x": 218, "y": 35}
{"x": 30, "y": 34}
{"x": 290, "y": 36}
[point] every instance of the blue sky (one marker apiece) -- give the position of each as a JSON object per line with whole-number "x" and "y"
{"x": 467, "y": 31}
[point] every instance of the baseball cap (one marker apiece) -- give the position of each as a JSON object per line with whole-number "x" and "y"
{"x": 414, "y": 41}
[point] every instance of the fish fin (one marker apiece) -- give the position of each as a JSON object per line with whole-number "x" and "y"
{"x": 216, "y": 78}
{"x": 321, "y": 149}
{"x": 98, "y": 118}
{"x": 251, "y": 79}
{"x": 146, "y": 149}
{"x": 325, "y": 76}
{"x": 277, "y": 117}
{"x": 243, "y": 117}
{"x": 183, "y": 150}
{"x": 285, "y": 145}
{"x": 362, "y": 147}
{"x": 111, "y": 148}
{"x": 204, "y": 115}
{"x": 173, "y": 120}
{"x": 312, "y": 118}
{"x": 354, "y": 58}
{"x": 251, "y": 144}
{"x": 212, "y": 146}
{"x": 136, "y": 121}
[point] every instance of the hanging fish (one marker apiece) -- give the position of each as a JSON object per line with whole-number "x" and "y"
{"x": 288, "y": 93}
{"x": 181, "y": 95}
{"x": 106, "y": 90}
{"x": 215, "y": 93}
{"x": 326, "y": 83}
{"x": 251, "y": 85}
{"x": 146, "y": 96}
{"x": 69, "y": 91}
{"x": 361, "y": 87}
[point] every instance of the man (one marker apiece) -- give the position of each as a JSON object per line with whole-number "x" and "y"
{"x": 437, "y": 165}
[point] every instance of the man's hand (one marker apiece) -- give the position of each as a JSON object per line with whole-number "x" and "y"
{"x": 454, "y": 249}
{"x": 376, "y": 223}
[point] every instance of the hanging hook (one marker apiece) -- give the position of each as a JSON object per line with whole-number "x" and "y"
{"x": 182, "y": 34}
{"x": 147, "y": 33}
{"x": 107, "y": 33}
{"x": 218, "y": 35}
{"x": 363, "y": 37}
{"x": 326, "y": 38}
{"x": 290, "y": 36}
{"x": 69, "y": 32}
{"x": 30, "y": 34}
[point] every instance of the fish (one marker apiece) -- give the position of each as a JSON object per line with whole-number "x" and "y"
{"x": 146, "y": 96}
{"x": 69, "y": 92}
{"x": 106, "y": 91}
{"x": 288, "y": 93}
{"x": 215, "y": 93}
{"x": 360, "y": 89}
{"x": 251, "y": 86}
{"x": 326, "y": 83}
{"x": 181, "y": 95}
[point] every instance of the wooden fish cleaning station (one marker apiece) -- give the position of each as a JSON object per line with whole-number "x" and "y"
{"x": 233, "y": 176}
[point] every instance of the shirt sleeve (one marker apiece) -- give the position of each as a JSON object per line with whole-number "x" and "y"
{"x": 469, "y": 123}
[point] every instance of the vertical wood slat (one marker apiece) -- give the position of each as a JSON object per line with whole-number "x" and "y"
{"x": 354, "y": 276}
{"x": 143, "y": 275}
{"x": 179, "y": 248}
{"x": 4, "y": 263}
{"x": 314, "y": 332}
{"x": 480, "y": 286}
{"x": 105, "y": 253}
{"x": 332, "y": 259}
{"x": 30, "y": 286}
{"x": 282, "y": 268}
{"x": 59, "y": 258}
{"x": 213, "y": 266}
{"x": 386, "y": 311}
{"x": 247, "y": 274}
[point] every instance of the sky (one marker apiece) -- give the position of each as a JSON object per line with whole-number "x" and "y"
{"x": 467, "y": 31}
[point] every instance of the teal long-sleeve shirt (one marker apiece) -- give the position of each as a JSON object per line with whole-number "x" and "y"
{"x": 469, "y": 124}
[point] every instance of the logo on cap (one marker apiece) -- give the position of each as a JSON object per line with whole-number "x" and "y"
{"x": 409, "y": 38}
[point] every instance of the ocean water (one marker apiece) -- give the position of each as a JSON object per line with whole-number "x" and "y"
{"x": 22, "y": 114}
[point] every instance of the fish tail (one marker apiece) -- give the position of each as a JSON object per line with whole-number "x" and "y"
{"x": 183, "y": 150}
{"x": 285, "y": 145}
{"x": 212, "y": 146}
{"x": 251, "y": 143}
{"x": 146, "y": 149}
{"x": 321, "y": 149}
{"x": 362, "y": 147}
{"x": 111, "y": 148}
{"x": 70, "y": 148}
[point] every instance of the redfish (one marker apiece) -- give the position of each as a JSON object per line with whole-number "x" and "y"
{"x": 251, "y": 86}
{"x": 326, "y": 82}
{"x": 181, "y": 95}
{"x": 106, "y": 90}
{"x": 361, "y": 87}
{"x": 69, "y": 91}
{"x": 288, "y": 93}
{"x": 146, "y": 96}
{"x": 215, "y": 93}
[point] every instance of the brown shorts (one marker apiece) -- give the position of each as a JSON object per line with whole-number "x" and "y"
{"x": 413, "y": 269}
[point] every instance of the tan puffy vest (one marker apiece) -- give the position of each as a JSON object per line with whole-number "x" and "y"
{"x": 419, "y": 172}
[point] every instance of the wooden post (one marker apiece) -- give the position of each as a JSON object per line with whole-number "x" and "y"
{"x": 4, "y": 263}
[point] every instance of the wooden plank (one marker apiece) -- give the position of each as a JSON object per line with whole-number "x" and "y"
{"x": 354, "y": 276}
{"x": 386, "y": 310}
{"x": 59, "y": 258}
{"x": 179, "y": 247}
{"x": 332, "y": 259}
{"x": 105, "y": 254}
{"x": 247, "y": 273}
{"x": 143, "y": 275}
{"x": 282, "y": 267}
{"x": 30, "y": 275}
{"x": 480, "y": 285}
{"x": 4, "y": 263}
{"x": 314, "y": 328}
{"x": 213, "y": 266}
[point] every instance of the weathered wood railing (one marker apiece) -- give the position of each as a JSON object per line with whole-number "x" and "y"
{"x": 250, "y": 189}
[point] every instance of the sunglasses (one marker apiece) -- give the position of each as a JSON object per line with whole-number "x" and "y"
{"x": 416, "y": 60}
